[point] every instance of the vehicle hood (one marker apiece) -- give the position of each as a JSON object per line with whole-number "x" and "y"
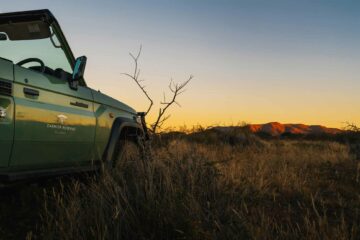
{"x": 109, "y": 101}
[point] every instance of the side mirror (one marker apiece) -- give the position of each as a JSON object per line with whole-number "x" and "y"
{"x": 78, "y": 73}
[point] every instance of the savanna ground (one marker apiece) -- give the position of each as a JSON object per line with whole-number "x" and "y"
{"x": 205, "y": 185}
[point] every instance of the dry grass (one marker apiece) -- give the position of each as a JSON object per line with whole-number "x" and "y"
{"x": 191, "y": 190}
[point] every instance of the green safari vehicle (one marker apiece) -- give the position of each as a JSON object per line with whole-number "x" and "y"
{"x": 51, "y": 122}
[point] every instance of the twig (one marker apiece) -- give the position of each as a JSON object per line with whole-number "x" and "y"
{"x": 135, "y": 77}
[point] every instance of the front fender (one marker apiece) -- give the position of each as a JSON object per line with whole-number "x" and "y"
{"x": 117, "y": 129}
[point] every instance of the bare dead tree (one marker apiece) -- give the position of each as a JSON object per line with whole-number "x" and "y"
{"x": 135, "y": 77}
{"x": 352, "y": 127}
{"x": 176, "y": 89}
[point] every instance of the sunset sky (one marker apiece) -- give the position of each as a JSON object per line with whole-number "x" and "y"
{"x": 253, "y": 61}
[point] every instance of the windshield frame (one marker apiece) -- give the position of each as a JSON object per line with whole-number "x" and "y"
{"x": 46, "y": 16}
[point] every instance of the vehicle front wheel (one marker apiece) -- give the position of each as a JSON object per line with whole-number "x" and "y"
{"x": 128, "y": 154}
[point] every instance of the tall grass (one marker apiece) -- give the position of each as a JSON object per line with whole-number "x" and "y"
{"x": 192, "y": 190}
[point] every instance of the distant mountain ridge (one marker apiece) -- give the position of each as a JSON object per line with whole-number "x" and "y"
{"x": 277, "y": 129}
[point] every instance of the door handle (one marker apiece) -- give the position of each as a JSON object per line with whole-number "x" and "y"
{"x": 79, "y": 104}
{"x": 31, "y": 92}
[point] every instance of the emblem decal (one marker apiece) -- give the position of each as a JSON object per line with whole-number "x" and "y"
{"x": 60, "y": 127}
{"x": 2, "y": 112}
{"x": 61, "y": 119}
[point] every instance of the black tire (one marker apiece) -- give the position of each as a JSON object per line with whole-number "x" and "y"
{"x": 128, "y": 154}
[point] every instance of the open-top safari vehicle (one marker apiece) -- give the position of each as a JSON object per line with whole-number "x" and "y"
{"x": 51, "y": 122}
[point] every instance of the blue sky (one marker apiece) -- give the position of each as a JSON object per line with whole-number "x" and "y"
{"x": 253, "y": 61}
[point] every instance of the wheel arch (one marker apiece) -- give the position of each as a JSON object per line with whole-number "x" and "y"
{"x": 122, "y": 128}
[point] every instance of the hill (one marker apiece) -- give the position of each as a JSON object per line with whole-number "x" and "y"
{"x": 278, "y": 129}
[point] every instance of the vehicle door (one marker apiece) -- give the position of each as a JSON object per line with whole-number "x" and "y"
{"x": 54, "y": 124}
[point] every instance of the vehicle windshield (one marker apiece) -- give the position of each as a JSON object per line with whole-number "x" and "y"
{"x": 46, "y": 49}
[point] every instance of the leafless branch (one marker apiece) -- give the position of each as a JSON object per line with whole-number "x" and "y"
{"x": 135, "y": 77}
{"x": 352, "y": 127}
{"x": 176, "y": 89}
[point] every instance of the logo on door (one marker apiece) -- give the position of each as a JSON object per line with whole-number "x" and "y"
{"x": 61, "y": 119}
{"x": 60, "y": 127}
{"x": 2, "y": 112}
